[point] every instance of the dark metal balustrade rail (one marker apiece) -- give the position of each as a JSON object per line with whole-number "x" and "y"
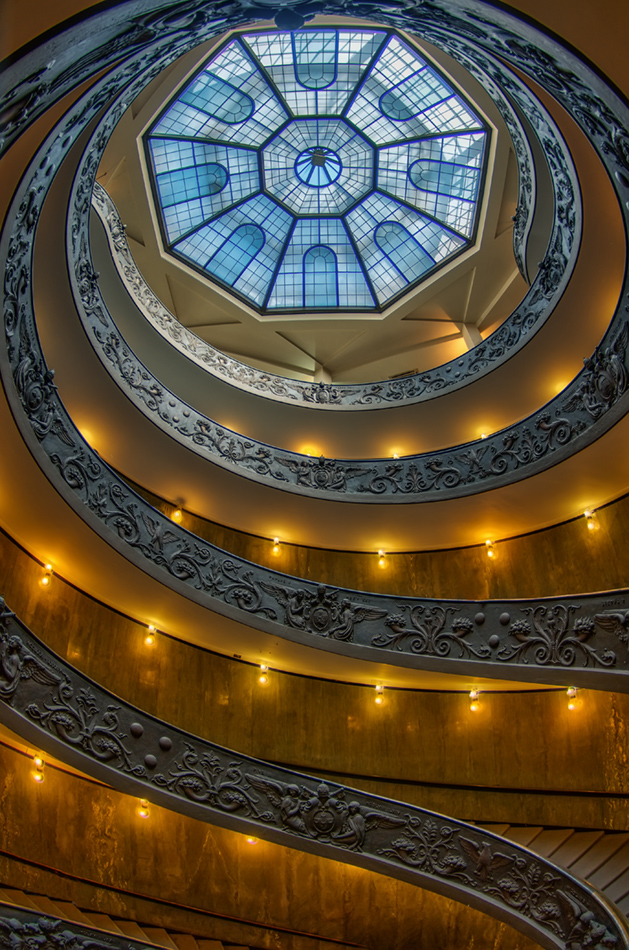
{"x": 61, "y": 711}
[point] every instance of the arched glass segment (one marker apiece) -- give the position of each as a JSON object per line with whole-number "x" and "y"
{"x": 440, "y": 176}
{"x": 236, "y": 253}
{"x": 326, "y": 169}
{"x": 402, "y": 249}
{"x": 315, "y": 56}
{"x": 320, "y": 278}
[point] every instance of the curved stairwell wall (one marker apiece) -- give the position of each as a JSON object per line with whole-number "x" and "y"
{"x": 524, "y": 759}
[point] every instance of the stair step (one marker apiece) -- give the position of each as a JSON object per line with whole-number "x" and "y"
{"x": 185, "y": 941}
{"x": 103, "y": 922}
{"x": 548, "y": 841}
{"x": 619, "y": 888}
{"x": 494, "y": 829}
{"x": 623, "y": 905}
{"x": 523, "y": 836}
{"x": 612, "y": 869}
{"x": 209, "y": 944}
{"x": 159, "y": 937}
{"x": 133, "y": 930}
{"x": 46, "y": 906}
{"x": 70, "y": 911}
{"x": 575, "y": 846}
{"x": 20, "y": 898}
{"x": 598, "y": 855}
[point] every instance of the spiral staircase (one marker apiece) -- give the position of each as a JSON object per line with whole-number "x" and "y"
{"x": 315, "y": 628}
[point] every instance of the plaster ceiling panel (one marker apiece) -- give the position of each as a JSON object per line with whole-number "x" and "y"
{"x": 193, "y": 309}
{"x": 257, "y": 345}
{"x": 509, "y": 196}
{"x": 448, "y": 304}
{"x": 323, "y": 344}
{"x": 400, "y": 338}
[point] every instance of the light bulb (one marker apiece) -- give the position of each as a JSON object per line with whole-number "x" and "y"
{"x": 149, "y": 639}
{"x": 590, "y": 518}
{"x": 143, "y": 810}
{"x": 38, "y": 776}
{"x": 382, "y": 561}
{"x": 573, "y": 700}
{"x": 38, "y": 762}
{"x": 263, "y": 667}
{"x": 474, "y": 700}
{"x": 263, "y": 679}
{"x": 177, "y": 515}
{"x": 276, "y": 546}
{"x": 252, "y": 840}
{"x": 489, "y": 547}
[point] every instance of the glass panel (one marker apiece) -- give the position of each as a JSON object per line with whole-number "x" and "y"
{"x": 310, "y": 234}
{"x": 320, "y": 278}
{"x": 354, "y": 51}
{"x": 219, "y": 99}
{"x": 440, "y": 176}
{"x": 315, "y": 56}
{"x": 254, "y": 281}
{"x": 402, "y": 249}
{"x": 235, "y": 255}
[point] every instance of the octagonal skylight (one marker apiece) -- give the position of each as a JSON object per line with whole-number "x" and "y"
{"x": 321, "y": 170}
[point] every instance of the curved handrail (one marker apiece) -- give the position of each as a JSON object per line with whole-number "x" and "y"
{"x": 423, "y": 633}
{"x": 21, "y": 927}
{"x": 61, "y": 711}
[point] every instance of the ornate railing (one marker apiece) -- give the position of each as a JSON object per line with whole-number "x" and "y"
{"x": 551, "y": 642}
{"x": 62, "y": 712}
{"x": 22, "y": 929}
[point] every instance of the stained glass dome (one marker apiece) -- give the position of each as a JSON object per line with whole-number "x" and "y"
{"x": 327, "y": 169}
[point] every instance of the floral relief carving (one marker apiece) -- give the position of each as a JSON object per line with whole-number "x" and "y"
{"x": 208, "y": 781}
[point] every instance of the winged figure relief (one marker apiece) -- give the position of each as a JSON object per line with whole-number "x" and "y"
{"x": 486, "y": 862}
{"x": 294, "y": 603}
{"x": 17, "y": 663}
{"x": 286, "y": 797}
{"x": 585, "y": 930}
{"x": 616, "y": 622}
{"x": 350, "y": 614}
{"x": 360, "y": 820}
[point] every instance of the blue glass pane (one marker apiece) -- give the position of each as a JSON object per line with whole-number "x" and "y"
{"x": 176, "y": 162}
{"x": 320, "y": 278}
{"x": 314, "y": 233}
{"x": 355, "y": 49}
{"x": 440, "y": 176}
{"x": 254, "y": 281}
{"x": 230, "y": 101}
{"x": 388, "y": 280}
{"x": 402, "y": 249}
{"x": 413, "y": 95}
{"x": 306, "y": 188}
{"x": 399, "y": 101}
{"x": 235, "y": 255}
{"x": 219, "y": 99}
{"x": 315, "y": 56}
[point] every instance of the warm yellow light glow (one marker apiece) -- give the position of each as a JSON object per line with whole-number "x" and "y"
{"x": 573, "y": 701}
{"x": 38, "y": 762}
{"x": 263, "y": 667}
{"x": 489, "y": 547}
{"x": 38, "y": 776}
{"x": 396, "y": 455}
{"x": 45, "y": 580}
{"x": 379, "y": 699}
{"x": 483, "y": 435}
{"x": 149, "y": 639}
{"x": 276, "y": 546}
{"x": 474, "y": 700}
{"x": 591, "y": 520}
{"x": 177, "y": 515}
{"x": 263, "y": 679}
{"x": 143, "y": 810}
{"x": 252, "y": 840}
{"x": 474, "y": 707}
{"x": 382, "y": 560}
